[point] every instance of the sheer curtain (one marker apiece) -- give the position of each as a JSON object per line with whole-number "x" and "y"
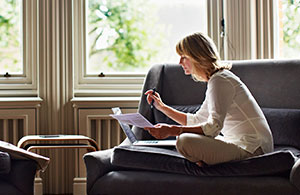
{"x": 249, "y": 29}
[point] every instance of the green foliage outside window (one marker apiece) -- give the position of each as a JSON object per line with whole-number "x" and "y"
{"x": 291, "y": 27}
{"x": 10, "y": 37}
{"x": 122, "y": 35}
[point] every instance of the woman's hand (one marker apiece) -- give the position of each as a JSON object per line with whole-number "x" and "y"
{"x": 158, "y": 103}
{"x": 178, "y": 116}
{"x": 162, "y": 131}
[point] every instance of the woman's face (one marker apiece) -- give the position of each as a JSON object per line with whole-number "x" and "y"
{"x": 186, "y": 64}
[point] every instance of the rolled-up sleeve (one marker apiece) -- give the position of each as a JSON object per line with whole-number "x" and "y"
{"x": 194, "y": 119}
{"x": 212, "y": 127}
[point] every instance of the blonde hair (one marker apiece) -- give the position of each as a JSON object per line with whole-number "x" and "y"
{"x": 203, "y": 54}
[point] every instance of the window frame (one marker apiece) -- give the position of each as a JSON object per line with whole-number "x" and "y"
{"x": 25, "y": 84}
{"x": 112, "y": 84}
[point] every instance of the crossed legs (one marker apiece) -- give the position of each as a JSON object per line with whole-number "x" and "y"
{"x": 205, "y": 150}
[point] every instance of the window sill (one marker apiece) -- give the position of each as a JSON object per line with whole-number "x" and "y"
{"x": 9, "y": 93}
{"x": 105, "y": 102}
{"x": 108, "y": 93}
{"x": 20, "y": 102}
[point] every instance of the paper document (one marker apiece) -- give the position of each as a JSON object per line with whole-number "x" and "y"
{"x": 135, "y": 119}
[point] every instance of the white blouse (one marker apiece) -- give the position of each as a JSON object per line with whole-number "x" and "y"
{"x": 229, "y": 108}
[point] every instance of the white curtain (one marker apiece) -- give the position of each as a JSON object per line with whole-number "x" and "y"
{"x": 249, "y": 31}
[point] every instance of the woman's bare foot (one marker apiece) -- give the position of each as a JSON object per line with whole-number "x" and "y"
{"x": 200, "y": 163}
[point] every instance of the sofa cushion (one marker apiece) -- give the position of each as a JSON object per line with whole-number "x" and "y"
{"x": 285, "y": 125}
{"x": 167, "y": 160}
{"x": 4, "y": 163}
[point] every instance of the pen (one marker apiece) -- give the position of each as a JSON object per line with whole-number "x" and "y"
{"x": 153, "y": 92}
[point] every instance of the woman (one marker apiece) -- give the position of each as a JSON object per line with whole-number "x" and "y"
{"x": 228, "y": 108}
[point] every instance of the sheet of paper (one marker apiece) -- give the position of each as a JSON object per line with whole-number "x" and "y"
{"x": 135, "y": 119}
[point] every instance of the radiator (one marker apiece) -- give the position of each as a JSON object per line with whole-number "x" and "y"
{"x": 16, "y": 123}
{"x": 11, "y": 130}
{"x": 98, "y": 125}
{"x": 106, "y": 132}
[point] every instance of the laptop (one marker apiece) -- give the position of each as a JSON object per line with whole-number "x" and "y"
{"x": 132, "y": 138}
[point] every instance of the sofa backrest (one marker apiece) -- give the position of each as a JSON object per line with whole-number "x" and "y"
{"x": 275, "y": 86}
{"x": 273, "y": 83}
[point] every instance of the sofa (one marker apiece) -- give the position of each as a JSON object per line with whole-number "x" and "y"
{"x": 16, "y": 176}
{"x": 18, "y": 168}
{"x": 128, "y": 169}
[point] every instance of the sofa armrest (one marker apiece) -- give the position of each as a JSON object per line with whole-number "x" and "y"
{"x": 295, "y": 174}
{"x": 97, "y": 164}
{"x": 21, "y": 175}
{"x": 4, "y": 163}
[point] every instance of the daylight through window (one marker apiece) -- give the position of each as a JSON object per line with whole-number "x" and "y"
{"x": 289, "y": 28}
{"x": 10, "y": 39}
{"x": 132, "y": 35}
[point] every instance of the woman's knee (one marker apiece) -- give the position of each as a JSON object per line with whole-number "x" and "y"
{"x": 187, "y": 143}
{"x": 183, "y": 140}
{"x": 181, "y": 144}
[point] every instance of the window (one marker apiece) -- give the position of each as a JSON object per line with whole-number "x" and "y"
{"x": 289, "y": 29}
{"x": 18, "y": 53}
{"x": 123, "y": 39}
{"x": 10, "y": 39}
